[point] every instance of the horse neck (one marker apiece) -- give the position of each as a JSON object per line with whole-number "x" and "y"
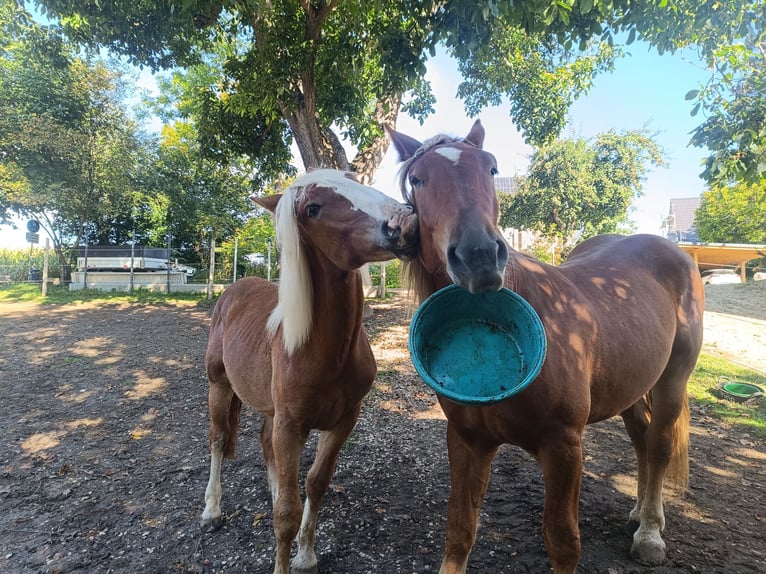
{"x": 524, "y": 273}
{"x": 338, "y": 304}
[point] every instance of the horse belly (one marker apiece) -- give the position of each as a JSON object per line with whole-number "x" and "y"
{"x": 629, "y": 376}
{"x": 249, "y": 372}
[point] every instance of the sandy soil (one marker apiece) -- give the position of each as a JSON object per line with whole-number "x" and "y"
{"x": 104, "y": 461}
{"x": 735, "y": 323}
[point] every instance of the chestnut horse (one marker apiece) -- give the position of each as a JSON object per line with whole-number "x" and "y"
{"x": 623, "y": 319}
{"x": 298, "y": 353}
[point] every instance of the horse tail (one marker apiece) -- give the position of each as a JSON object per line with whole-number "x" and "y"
{"x": 678, "y": 468}
{"x": 677, "y": 472}
{"x": 235, "y": 408}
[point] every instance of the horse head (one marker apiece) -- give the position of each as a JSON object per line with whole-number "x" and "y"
{"x": 349, "y": 223}
{"x": 450, "y": 183}
{"x": 324, "y": 219}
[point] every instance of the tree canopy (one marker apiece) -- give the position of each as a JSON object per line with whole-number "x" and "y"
{"x": 578, "y": 188}
{"x": 66, "y": 144}
{"x": 318, "y": 70}
{"x": 72, "y": 157}
{"x": 733, "y": 214}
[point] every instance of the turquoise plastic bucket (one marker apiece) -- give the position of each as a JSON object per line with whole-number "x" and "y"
{"x": 477, "y": 349}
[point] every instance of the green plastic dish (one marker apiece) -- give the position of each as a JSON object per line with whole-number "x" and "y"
{"x": 477, "y": 349}
{"x": 743, "y": 390}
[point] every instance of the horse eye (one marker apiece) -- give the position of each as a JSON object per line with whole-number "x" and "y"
{"x": 415, "y": 181}
{"x": 312, "y": 210}
{"x": 493, "y": 171}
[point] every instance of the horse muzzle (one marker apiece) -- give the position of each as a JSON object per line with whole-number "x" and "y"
{"x": 401, "y": 233}
{"x": 478, "y": 266}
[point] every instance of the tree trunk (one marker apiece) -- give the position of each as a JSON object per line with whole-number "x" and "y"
{"x": 368, "y": 160}
{"x": 318, "y": 145}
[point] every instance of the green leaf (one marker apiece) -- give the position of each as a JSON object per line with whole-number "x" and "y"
{"x": 691, "y": 94}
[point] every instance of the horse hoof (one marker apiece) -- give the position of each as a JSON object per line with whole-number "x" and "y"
{"x": 211, "y": 524}
{"x": 648, "y": 553}
{"x": 300, "y": 570}
{"x": 304, "y": 565}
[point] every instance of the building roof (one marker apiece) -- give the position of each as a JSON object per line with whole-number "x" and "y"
{"x": 685, "y": 210}
{"x": 682, "y": 217}
{"x": 506, "y": 184}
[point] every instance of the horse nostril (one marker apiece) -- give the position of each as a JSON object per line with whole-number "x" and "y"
{"x": 502, "y": 253}
{"x": 452, "y": 256}
{"x": 392, "y": 232}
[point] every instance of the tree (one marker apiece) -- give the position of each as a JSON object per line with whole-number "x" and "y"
{"x": 330, "y": 68}
{"x": 191, "y": 197}
{"x": 577, "y": 189}
{"x": 733, "y": 214}
{"x": 66, "y": 144}
{"x": 312, "y": 69}
{"x": 731, "y": 36}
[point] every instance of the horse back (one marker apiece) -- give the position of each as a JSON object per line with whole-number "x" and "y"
{"x": 616, "y": 314}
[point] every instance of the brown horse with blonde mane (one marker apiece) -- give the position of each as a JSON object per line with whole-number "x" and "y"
{"x": 298, "y": 353}
{"x": 623, "y": 319}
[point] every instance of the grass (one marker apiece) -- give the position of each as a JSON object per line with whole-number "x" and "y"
{"x": 746, "y": 418}
{"x": 61, "y": 295}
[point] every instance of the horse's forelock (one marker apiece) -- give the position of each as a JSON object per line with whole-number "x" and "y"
{"x": 418, "y": 279}
{"x": 294, "y": 308}
{"x": 430, "y": 143}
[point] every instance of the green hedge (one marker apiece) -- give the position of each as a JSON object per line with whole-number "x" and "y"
{"x": 393, "y": 274}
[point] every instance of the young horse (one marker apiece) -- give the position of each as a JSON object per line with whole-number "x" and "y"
{"x": 298, "y": 352}
{"x": 623, "y": 318}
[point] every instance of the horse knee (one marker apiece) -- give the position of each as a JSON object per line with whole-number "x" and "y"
{"x": 287, "y": 516}
{"x": 224, "y": 422}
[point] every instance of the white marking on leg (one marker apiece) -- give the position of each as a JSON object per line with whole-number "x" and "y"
{"x": 271, "y": 475}
{"x": 212, "y": 510}
{"x": 648, "y": 546}
{"x": 306, "y": 559}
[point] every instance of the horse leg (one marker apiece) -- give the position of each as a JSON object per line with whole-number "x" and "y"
{"x": 288, "y": 440}
{"x": 561, "y": 462}
{"x": 224, "y": 407}
{"x": 469, "y": 465}
{"x": 317, "y": 482}
{"x": 268, "y": 456}
{"x": 666, "y": 443}
{"x": 636, "y": 420}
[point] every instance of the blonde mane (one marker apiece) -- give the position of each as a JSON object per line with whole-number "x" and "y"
{"x": 296, "y": 294}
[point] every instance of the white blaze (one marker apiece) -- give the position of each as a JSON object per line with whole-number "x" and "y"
{"x": 451, "y": 153}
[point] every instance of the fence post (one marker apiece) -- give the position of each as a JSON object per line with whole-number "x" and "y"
{"x": 85, "y": 270}
{"x": 211, "y": 274}
{"x": 236, "y": 245}
{"x": 45, "y": 267}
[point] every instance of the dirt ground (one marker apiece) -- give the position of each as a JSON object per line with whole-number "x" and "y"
{"x": 104, "y": 461}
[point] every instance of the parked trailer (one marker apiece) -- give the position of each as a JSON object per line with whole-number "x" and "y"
{"x": 119, "y": 258}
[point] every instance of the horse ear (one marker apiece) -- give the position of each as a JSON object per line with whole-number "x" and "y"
{"x": 476, "y": 135}
{"x": 268, "y": 201}
{"x": 404, "y": 145}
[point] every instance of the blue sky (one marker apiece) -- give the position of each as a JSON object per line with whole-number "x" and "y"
{"x": 645, "y": 90}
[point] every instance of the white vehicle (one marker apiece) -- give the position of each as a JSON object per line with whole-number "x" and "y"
{"x": 184, "y": 269}
{"x": 720, "y": 277}
{"x": 759, "y": 276}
